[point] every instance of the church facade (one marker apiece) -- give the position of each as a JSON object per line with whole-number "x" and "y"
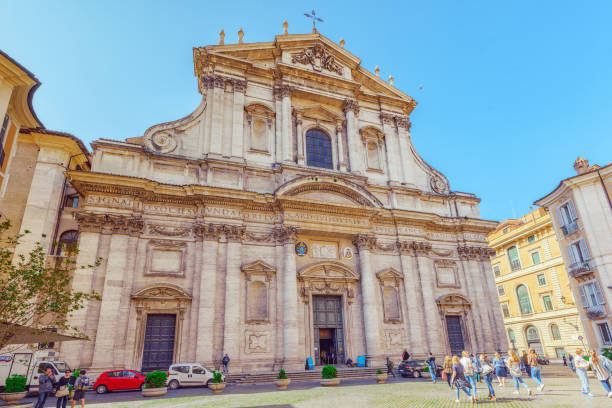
{"x": 289, "y": 216}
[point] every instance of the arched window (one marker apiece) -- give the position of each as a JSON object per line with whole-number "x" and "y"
{"x": 67, "y": 243}
{"x": 511, "y": 335}
{"x": 556, "y": 333}
{"x": 513, "y": 258}
{"x": 523, "y": 298}
{"x": 319, "y": 149}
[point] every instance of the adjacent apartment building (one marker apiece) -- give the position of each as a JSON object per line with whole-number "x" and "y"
{"x": 582, "y": 217}
{"x": 535, "y": 297}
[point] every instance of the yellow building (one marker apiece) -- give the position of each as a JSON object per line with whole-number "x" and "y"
{"x": 536, "y": 300}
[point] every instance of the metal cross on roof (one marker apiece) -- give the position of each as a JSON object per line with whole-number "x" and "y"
{"x": 314, "y": 17}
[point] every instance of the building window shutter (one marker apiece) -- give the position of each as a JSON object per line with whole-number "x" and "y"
{"x": 572, "y": 210}
{"x": 586, "y": 255}
{"x": 570, "y": 254}
{"x": 583, "y": 297}
{"x": 598, "y": 294}
{"x": 560, "y": 219}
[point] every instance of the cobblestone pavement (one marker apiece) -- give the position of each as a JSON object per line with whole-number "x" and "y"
{"x": 560, "y": 391}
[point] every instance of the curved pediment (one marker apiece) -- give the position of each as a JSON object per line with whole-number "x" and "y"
{"x": 453, "y": 299}
{"x": 328, "y": 189}
{"x": 327, "y": 271}
{"x": 165, "y": 291}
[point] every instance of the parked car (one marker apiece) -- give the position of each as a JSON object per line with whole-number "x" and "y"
{"x": 188, "y": 375}
{"x": 119, "y": 380}
{"x": 416, "y": 368}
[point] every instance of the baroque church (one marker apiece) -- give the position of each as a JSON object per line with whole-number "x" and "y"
{"x": 288, "y": 217}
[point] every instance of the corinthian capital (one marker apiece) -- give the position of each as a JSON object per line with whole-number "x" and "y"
{"x": 281, "y": 91}
{"x": 351, "y": 105}
{"x": 109, "y": 223}
{"x": 286, "y": 234}
{"x": 234, "y": 233}
{"x": 364, "y": 242}
{"x": 403, "y": 122}
{"x": 470, "y": 252}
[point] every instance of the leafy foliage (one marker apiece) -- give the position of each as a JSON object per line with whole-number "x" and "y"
{"x": 36, "y": 292}
{"x": 282, "y": 375}
{"x": 156, "y": 379}
{"x": 217, "y": 377}
{"x": 379, "y": 371}
{"x": 329, "y": 372}
{"x": 15, "y": 383}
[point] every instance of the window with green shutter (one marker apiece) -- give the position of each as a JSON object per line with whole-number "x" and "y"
{"x": 513, "y": 258}
{"x": 523, "y": 298}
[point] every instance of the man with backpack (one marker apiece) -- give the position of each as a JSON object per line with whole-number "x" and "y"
{"x": 81, "y": 385}
{"x": 431, "y": 362}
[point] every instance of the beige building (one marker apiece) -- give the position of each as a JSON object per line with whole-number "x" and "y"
{"x": 582, "y": 208}
{"x": 533, "y": 287}
{"x": 287, "y": 217}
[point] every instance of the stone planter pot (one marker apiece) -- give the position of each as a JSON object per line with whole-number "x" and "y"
{"x": 154, "y": 392}
{"x": 216, "y": 387}
{"x": 13, "y": 397}
{"x": 330, "y": 382}
{"x": 282, "y": 384}
{"x": 381, "y": 378}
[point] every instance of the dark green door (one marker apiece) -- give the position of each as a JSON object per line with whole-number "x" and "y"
{"x": 158, "y": 350}
{"x": 327, "y": 311}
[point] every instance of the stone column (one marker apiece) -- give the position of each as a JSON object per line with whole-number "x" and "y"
{"x": 286, "y": 237}
{"x": 490, "y": 294}
{"x": 465, "y": 253}
{"x": 216, "y": 135}
{"x": 355, "y": 148}
{"x": 394, "y": 164}
{"x": 299, "y": 139}
{"x": 406, "y": 158}
{"x": 232, "y": 332}
{"x": 339, "y": 139}
{"x": 364, "y": 243}
{"x": 208, "y": 85}
{"x": 414, "y": 297}
{"x": 238, "y": 118}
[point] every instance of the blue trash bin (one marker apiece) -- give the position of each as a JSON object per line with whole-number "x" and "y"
{"x": 361, "y": 361}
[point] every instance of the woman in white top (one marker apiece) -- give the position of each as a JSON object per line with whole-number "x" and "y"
{"x": 468, "y": 371}
{"x": 514, "y": 367}
{"x": 598, "y": 365}
{"x": 581, "y": 372}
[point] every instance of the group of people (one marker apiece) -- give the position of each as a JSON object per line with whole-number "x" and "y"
{"x": 601, "y": 366}
{"x": 62, "y": 388}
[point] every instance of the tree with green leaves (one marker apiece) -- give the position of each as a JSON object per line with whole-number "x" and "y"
{"x": 35, "y": 292}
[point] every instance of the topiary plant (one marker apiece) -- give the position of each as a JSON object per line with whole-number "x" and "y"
{"x": 15, "y": 383}
{"x": 378, "y": 372}
{"x": 217, "y": 377}
{"x": 282, "y": 375}
{"x": 329, "y": 372}
{"x": 156, "y": 379}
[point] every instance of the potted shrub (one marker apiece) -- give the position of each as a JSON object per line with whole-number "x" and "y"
{"x": 329, "y": 376}
{"x": 282, "y": 381}
{"x": 217, "y": 384}
{"x": 155, "y": 384}
{"x": 380, "y": 376}
{"x": 15, "y": 389}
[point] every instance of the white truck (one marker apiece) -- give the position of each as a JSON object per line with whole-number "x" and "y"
{"x": 31, "y": 366}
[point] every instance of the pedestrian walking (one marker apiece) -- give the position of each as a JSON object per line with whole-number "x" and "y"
{"x": 459, "y": 381}
{"x": 225, "y": 362}
{"x": 405, "y": 355}
{"x": 332, "y": 356}
{"x": 500, "y": 370}
{"x": 581, "y": 371}
{"x": 390, "y": 367}
{"x": 468, "y": 371}
{"x": 81, "y": 385}
{"x": 564, "y": 360}
{"x": 601, "y": 371}
{"x": 477, "y": 368}
{"x": 46, "y": 383}
{"x": 447, "y": 370}
{"x": 62, "y": 389}
{"x": 571, "y": 363}
{"x": 431, "y": 362}
{"x": 536, "y": 369}
{"x": 514, "y": 367}
{"x": 487, "y": 374}
{"x": 525, "y": 361}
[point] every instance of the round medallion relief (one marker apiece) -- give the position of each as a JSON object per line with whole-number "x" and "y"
{"x": 163, "y": 142}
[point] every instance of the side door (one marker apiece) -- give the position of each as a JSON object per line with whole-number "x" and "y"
{"x": 198, "y": 375}
{"x": 184, "y": 374}
{"x": 130, "y": 380}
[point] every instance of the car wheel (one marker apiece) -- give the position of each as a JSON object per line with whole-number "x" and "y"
{"x": 416, "y": 374}
{"x": 173, "y": 385}
{"x": 208, "y": 383}
{"x": 101, "y": 389}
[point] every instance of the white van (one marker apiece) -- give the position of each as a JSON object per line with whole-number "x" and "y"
{"x": 188, "y": 375}
{"x": 31, "y": 366}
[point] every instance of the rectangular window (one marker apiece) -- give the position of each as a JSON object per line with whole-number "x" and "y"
{"x": 590, "y": 294}
{"x": 531, "y": 238}
{"x": 541, "y": 279}
{"x": 513, "y": 257}
{"x": 505, "y": 310}
{"x": 501, "y": 291}
{"x": 535, "y": 257}
{"x": 548, "y": 306}
{"x": 560, "y": 352}
{"x": 496, "y": 271}
{"x": 604, "y": 332}
{"x": 566, "y": 217}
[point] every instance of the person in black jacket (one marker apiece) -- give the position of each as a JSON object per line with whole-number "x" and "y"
{"x": 405, "y": 355}
{"x": 225, "y": 363}
{"x": 63, "y": 384}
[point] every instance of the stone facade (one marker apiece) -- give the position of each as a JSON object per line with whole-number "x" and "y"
{"x": 295, "y": 178}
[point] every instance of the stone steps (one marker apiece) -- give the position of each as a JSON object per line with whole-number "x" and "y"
{"x": 297, "y": 376}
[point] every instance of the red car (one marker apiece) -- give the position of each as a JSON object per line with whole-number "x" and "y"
{"x": 119, "y": 380}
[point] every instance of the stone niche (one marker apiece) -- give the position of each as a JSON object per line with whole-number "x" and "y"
{"x": 446, "y": 274}
{"x": 258, "y": 276}
{"x": 165, "y": 258}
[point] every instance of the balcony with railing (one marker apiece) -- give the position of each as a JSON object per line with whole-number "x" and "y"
{"x": 515, "y": 264}
{"x": 569, "y": 228}
{"x": 594, "y": 312}
{"x": 580, "y": 268}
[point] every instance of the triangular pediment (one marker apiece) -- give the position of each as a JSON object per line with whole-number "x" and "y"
{"x": 259, "y": 266}
{"x": 390, "y": 274}
{"x": 318, "y": 112}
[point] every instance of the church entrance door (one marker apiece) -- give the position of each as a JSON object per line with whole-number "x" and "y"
{"x": 455, "y": 335}
{"x": 328, "y": 329}
{"x": 158, "y": 342}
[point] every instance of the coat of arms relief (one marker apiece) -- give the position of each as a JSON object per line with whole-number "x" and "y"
{"x": 319, "y": 58}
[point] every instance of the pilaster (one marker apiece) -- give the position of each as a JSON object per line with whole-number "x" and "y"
{"x": 239, "y": 87}
{"x": 415, "y": 319}
{"x": 403, "y": 131}
{"x": 216, "y": 134}
{"x": 394, "y": 164}
{"x": 284, "y": 92}
{"x": 232, "y": 327}
{"x": 299, "y": 139}
{"x": 351, "y": 108}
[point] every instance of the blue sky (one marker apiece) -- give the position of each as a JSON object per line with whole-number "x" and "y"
{"x": 511, "y": 91}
